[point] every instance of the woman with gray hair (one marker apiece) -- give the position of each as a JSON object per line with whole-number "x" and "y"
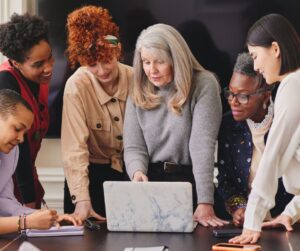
{"x": 172, "y": 118}
{"x": 242, "y": 137}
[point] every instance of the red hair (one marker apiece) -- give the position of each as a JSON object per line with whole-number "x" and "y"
{"x": 87, "y": 28}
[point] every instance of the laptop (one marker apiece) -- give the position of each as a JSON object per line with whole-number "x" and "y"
{"x": 149, "y": 206}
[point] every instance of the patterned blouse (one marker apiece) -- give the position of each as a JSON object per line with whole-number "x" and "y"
{"x": 235, "y": 149}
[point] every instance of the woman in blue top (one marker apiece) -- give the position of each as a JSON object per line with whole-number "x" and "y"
{"x": 242, "y": 137}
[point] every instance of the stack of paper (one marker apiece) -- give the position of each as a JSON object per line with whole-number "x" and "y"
{"x": 54, "y": 231}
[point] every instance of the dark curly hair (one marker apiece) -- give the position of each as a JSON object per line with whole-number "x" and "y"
{"x": 87, "y": 28}
{"x": 20, "y": 34}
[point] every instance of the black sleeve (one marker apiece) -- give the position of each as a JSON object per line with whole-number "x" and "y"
{"x": 8, "y": 81}
{"x": 23, "y": 173}
{"x": 24, "y": 176}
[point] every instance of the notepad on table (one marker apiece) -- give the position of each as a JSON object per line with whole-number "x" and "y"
{"x": 54, "y": 231}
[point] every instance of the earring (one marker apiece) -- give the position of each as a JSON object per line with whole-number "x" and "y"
{"x": 264, "y": 106}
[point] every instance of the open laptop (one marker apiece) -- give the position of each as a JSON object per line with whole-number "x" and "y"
{"x": 149, "y": 206}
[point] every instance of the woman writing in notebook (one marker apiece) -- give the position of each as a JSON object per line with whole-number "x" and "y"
{"x": 172, "y": 118}
{"x": 16, "y": 118}
{"x": 274, "y": 46}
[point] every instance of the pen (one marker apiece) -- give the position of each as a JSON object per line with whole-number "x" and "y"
{"x": 45, "y": 204}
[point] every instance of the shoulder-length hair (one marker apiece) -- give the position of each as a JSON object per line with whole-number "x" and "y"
{"x": 172, "y": 48}
{"x": 276, "y": 28}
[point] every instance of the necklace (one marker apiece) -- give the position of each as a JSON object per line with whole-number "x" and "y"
{"x": 266, "y": 120}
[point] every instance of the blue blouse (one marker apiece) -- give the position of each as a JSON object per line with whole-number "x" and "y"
{"x": 235, "y": 149}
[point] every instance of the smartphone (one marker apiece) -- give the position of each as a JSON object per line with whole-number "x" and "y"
{"x": 235, "y": 247}
{"x": 227, "y": 232}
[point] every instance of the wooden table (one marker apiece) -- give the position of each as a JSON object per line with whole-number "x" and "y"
{"x": 201, "y": 240}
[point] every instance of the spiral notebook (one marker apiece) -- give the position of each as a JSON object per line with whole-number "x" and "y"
{"x": 54, "y": 231}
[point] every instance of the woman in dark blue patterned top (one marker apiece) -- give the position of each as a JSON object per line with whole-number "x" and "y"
{"x": 242, "y": 138}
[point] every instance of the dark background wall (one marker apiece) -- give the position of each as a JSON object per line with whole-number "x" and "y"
{"x": 214, "y": 29}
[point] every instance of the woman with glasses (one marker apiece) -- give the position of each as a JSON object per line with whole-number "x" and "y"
{"x": 242, "y": 137}
{"x": 274, "y": 46}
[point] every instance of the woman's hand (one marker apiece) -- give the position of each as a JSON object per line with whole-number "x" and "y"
{"x": 69, "y": 217}
{"x": 282, "y": 219}
{"x": 248, "y": 236}
{"x": 238, "y": 217}
{"x": 41, "y": 219}
{"x": 139, "y": 176}
{"x": 84, "y": 210}
{"x": 205, "y": 215}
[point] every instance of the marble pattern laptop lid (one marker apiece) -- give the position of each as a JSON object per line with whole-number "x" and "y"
{"x": 148, "y": 206}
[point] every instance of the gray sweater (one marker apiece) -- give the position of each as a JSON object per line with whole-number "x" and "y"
{"x": 156, "y": 135}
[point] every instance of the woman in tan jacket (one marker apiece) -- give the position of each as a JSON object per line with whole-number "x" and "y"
{"x": 93, "y": 110}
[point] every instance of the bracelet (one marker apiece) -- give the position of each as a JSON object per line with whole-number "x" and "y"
{"x": 235, "y": 202}
{"x": 24, "y": 221}
{"x": 19, "y": 224}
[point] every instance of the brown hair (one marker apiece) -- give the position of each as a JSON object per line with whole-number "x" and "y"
{"x": 87, "y": 28}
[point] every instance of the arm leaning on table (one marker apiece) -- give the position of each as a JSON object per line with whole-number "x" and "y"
{"x": 231, "y": 164}
{"x": 135, "y": 150}
{"x": 75, "y": 152}
{"x": 206, "y": 118}
{"x": 279, "y": 159}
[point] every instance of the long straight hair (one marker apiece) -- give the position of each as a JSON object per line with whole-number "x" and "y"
{"x": 166, "y": 42}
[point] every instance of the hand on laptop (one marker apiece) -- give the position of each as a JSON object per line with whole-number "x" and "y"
{"x": 139, "y": 176}
{"x": 205, "y": 215}
{"x": 85, "y": 210}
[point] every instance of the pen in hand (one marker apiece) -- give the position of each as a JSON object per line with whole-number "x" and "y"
{"x": 45, "y": 204}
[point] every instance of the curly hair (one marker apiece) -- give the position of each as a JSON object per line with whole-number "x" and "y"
{"x": 244, "y": 64}
{"x": 87, "y": 28}
{"x": 20, "y": 34}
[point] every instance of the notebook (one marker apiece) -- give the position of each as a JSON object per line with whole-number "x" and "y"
{"x": 149, "y": 206}
{"x": 54, "y": 231}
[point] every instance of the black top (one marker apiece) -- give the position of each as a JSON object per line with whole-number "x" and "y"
{"x": 24, "y": 176}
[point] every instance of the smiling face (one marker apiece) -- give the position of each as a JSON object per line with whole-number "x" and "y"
{"x": 38, "y": 65}
{"x": 105, "y": 72}
{"x": 13, "y": 127}
{"x": 158, "y": 71}
{"x": 241, "y": 83}
{"x": 267, "y": 61}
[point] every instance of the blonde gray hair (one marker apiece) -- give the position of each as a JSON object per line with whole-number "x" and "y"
{"x": 169, "y": 43}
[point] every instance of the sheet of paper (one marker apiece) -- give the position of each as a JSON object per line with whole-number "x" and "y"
{"x": 54, "y": 231}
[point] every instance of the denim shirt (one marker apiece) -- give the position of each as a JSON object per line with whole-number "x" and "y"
{"x": 235, "y": 149}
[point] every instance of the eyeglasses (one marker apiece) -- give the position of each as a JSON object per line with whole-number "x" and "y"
{"x": 241, "y": 98}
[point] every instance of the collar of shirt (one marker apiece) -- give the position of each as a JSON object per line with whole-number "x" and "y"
{"x": 121, "y": 93}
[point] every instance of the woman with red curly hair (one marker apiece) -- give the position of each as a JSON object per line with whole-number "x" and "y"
{"x": 93, "y": 110}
